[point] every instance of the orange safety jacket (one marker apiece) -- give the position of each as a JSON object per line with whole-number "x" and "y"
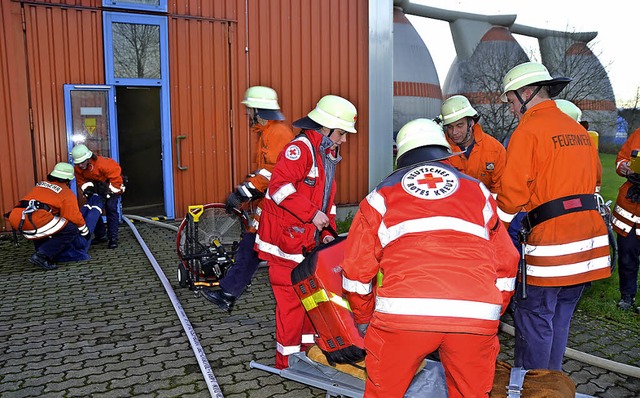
{"x": 486, "y": 161}
{"x": 272, "y": 138}
{"x": 447, "y": 262}
{"x": 294, "y": 196}
{"x": 63, "y": 206}
{"x": 626, "y": 214}
{"x": 550, "y": 156}
{"x": 101, "y": 169}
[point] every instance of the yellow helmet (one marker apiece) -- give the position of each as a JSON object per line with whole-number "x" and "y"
{"x": 570, "y": 109}
{"x": 418, "y": 133}
{"x": 80, "y": 153}
{"x": 265, "y": 101}
{"x": 335, "y": 113}
{"x": 531, "y": 74}
{"x": 63, "y": 170}
{"x": 455, "y": 108}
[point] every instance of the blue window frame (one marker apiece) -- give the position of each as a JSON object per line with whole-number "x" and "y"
{"x": 147, "y": 5}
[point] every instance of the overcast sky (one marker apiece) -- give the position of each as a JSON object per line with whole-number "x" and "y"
{"x": 617, "y": 44}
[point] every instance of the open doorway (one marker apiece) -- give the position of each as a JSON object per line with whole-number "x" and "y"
{"x": 140, "y": 149}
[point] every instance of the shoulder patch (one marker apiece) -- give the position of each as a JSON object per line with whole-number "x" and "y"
{"x": 430, "y": 182}
{"x": 490, "y": 165}
{"x": 292, "y": 152}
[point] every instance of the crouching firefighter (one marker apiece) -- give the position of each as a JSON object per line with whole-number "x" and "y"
{"x": 431, "y": 298}
{"x": 49, "y": 216}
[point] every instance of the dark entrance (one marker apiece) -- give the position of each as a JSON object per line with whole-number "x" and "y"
{"x": 140, "y": 145}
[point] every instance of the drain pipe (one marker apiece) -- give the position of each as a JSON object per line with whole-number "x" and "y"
{"x": 589, "y": 359}
{"x": 205, "y": 368}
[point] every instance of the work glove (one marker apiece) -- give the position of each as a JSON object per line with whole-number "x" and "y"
{"x": 234, "y": 201}
{"x": 89, "y": 190}
{"x": 633, "y": 194}
{"x": 634, "y": 178}
{"x": 350, "y": 354}
{"x": 102, "y": 189}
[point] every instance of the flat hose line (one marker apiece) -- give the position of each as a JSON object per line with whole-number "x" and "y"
{"x": 205, "y": 368}
{"x": 589, "y": 359}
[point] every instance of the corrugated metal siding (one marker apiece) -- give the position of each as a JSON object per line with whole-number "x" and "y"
{"x": 307, "y": 49}
{"x": 64, "y": 45}
{"x": 16, "y": 165}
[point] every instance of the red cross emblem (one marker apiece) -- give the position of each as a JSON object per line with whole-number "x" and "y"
{"x": 430, "y": 180}
{"x": 293, "y": 151}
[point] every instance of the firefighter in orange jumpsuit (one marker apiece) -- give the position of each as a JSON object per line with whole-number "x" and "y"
{"x": 625, "y": 224}
{"x": 552, "y": 173}
{"x": 50, "y": 217}
{"x": 267, "y": 121}
{"x": 448, "y": 270}
{"x": 483, "y": 157}
{"x": 297, "y": 209}
{"x": 92, "y": 173}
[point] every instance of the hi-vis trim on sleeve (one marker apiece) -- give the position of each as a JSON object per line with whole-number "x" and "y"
{"x": 506, "y": 284}
{"x": 377, "y": 202}
{"x": 287, "y": 350}
{"x": 355, "y": 286}
{"x": 308, "y": 338}
{"x": 622, "y": 225}
{"x": 630, "y": 217}
{"x": 438, "y": 307}
{"x": 313, "y": 172}
{"x": 116, "y": 190}
{"x": 566, "y": 248}
{"x": 83, "y": 229}
{"x": 50, "y": 228}
{"x": 487, "y": 211}
{"x": 275, "y": 251}
{"x": 282, "y": 193}
{"x": 568, "y": 269}
{"x": 333, "y": 210}
{"x": 428, "y": 224}
{"x": 265, "y": 173}
{"x": 505, "y": 217}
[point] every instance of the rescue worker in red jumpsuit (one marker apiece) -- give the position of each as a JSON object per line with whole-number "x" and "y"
{"x": 625, "y": 222}
{"x": 266, "y": 120}
{"x": 552, "y": 173}
{"x": 482, "y": 156}
{"x": 49, "y": 216}
{"x": 92, "y": 173}
{"x": 297, "y": 210}
{"x": 448, "y": 270}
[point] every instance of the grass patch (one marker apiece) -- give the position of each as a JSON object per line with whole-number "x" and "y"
{"x": 600, "y": 299}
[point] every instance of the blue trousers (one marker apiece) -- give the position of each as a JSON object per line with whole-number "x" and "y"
{"x": 79, "y": 248}
{"x": 246, "y": 263}
{"x": 628, "y": 261}
{"x": 542, "y": 325}
{"x": 58, "y": 243}
{"x": 113, "y": 219}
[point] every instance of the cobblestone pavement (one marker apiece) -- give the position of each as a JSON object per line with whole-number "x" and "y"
{"x": 106, "y": 328}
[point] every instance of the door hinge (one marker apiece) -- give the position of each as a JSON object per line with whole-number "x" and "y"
{"x": 24, "y": 19}
{"x": 30, "y": 118}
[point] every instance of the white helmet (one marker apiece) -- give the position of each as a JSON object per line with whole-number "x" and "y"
{"x": 531, "y": 74}
{"x": 80, "y": 153}
{"x": 455, "y": 108}
{"x": 418, "y": 133}
{"x": 63, "y": 171}
{"x": 265, "y": 101}
{"x": 332, "y": 112}
{"x": 570, "y": 109}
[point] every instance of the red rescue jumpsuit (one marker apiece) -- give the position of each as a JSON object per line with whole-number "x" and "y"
{"x": 486, "y": 161}
{"x": 286, "y": 230}
{"x": 448, "y": 269}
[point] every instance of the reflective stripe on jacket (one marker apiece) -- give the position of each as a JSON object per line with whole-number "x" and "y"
{"x": 550, "y": 156}
{"x": 626, "y": 214}
{"x": 486, "y": 161}
{"x": 447, "y": 261}
{"x": 293, "y": 198}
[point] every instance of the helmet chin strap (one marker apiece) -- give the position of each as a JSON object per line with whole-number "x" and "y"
{"x": 523, "y": 108}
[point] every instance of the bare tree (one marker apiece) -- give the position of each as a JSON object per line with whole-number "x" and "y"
{"x": 136, "y": 50}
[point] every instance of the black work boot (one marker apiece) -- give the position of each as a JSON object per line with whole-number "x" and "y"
{"x": 99, "y": 239}
{"x": 42, "y": 261}
{"x": 220, "y": 298}
{"x": 113, "y": 243}
{"x": 626, "y": 303}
